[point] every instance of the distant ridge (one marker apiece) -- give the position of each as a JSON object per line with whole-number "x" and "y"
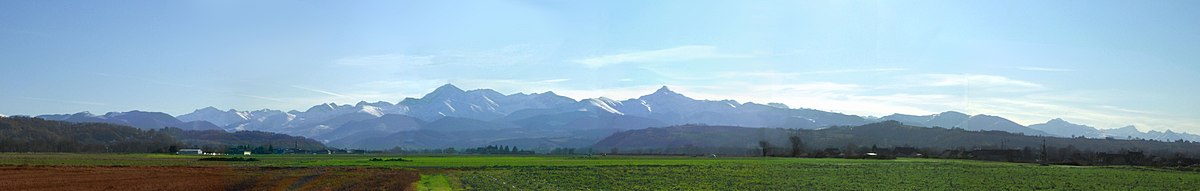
{"x": 452, "y": 116}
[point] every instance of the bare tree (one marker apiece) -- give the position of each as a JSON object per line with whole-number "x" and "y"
{"x": 765, "y": 146}
{"x": 797, "y": 145}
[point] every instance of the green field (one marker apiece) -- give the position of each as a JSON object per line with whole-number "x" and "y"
{"x": 687, "y": 173}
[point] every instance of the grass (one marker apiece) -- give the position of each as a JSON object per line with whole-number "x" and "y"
{"x": 474, "y": 172}
{"x": 434, "y": 182}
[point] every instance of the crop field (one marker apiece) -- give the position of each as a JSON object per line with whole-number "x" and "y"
{"x": 470, "y": 172}
{"x": 202, "y": 178}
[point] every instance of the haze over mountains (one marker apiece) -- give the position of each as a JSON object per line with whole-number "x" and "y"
{"x": 452, "y": 117}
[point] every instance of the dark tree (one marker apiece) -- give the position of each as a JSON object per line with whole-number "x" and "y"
{"x": 797, "y": 145}
{"x": 765, "y": 146}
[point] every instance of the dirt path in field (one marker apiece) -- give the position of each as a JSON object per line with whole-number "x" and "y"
{"x": 204, "y": 178}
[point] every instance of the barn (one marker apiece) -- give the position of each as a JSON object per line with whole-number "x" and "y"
{"x": 190, "y": 152}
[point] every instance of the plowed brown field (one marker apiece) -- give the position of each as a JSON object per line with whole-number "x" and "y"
{"x": 204, "y": 178}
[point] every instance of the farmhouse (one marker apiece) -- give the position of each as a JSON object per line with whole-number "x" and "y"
{"x": 189, "y": 152}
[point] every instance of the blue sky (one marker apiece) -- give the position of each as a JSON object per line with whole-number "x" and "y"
{"x": 1102, "y": 63}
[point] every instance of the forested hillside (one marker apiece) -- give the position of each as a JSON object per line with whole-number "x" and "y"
{"x": 27, "y": 134}
{"x": 218, "y": 139}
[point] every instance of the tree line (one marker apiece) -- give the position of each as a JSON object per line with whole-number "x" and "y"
{"x": 29, "y": 134}
{"x": 490, "y": 149}
{"x": 892, "y": 138}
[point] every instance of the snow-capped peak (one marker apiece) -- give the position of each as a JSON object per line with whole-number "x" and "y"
{"x": 443, "y": 91}
{"x": 664, "y": 90}
{"x": 665, "y": 93}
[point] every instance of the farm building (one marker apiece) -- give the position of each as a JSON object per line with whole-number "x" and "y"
{"x": 190, "y": 152}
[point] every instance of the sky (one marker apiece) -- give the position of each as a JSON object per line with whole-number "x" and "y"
{"x": 1102, "y": 63}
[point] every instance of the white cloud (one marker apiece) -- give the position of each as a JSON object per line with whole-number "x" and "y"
{"x": 1041, "y": 69}
{"x": 320, "y": 91}
{"x": 856, "y": 70}
{"x": 988, "y": 82}
{"x": 681, "y": 53}
{"x": 554, "y": 80}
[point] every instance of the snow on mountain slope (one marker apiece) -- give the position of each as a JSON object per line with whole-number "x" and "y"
{"x": 953, "y": 119}
{"x": 485, "y": 115}
{"x": 216, "y": 116}
{"x": 135, "y": 118}
{"x": 483, "y": 104}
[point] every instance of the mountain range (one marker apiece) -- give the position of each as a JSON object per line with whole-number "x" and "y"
{"x": 452, "y": 117}
{"x": 1063, "y": 128}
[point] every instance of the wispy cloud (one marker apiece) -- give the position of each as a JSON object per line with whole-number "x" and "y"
{"x": 320, "y": 91}
{"x": 807, "y": 87}
{"x": 856, "y": 70}
{"x": 1041, "y": 69}
{"x": 386, "y": 59}
{"x": 1127, "y": 110}
{"x": 989, "y": 82}
{"x": 554, "y": 80}
{"x": 775, "y": 74}
{"x": 680, "y": 53}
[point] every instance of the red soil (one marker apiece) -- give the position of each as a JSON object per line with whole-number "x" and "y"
{"x": 203, "y": 178}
